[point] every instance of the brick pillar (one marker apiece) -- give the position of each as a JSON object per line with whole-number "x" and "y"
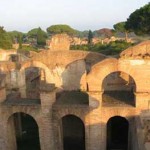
{"x": 4, "y": 133}
{"x": 2, "y": 94}
{"x": 142, "y": 100}
{"x": 93, "y": 130}
{"x": 48, "y": 97}
{"x": 95, "y": 99}
{"x": 22, "y": 83}
{"x": 11, "y": 135}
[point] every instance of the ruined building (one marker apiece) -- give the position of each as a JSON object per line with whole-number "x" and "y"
{"x": 75, "y": 100}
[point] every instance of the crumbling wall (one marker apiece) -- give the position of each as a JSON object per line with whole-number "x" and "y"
{"x": 59, "y": 42}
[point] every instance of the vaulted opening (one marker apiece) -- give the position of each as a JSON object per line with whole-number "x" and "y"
{"x": 23, "y": 132}
{"x": 118, "y": 89}
{"x": 73, "y": 133}
{"x": 117, "y": 133}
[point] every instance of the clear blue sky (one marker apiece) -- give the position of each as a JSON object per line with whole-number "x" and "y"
{"x": 24, "y": 15}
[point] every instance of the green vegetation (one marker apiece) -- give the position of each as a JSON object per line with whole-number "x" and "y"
{"x": 16, "y": 36}
{"x": 58, "y": 29}
{"x": 90, "y": 37}
{"x": 41, "y": 37}
{"x": 139, "y": 20}
{"x": 38, "y": 35}
{"x": 120, "y": 27}
{"x": 112, "y": 48}
{"x": 5, "y": 39}
{"x": 29, "y": 48}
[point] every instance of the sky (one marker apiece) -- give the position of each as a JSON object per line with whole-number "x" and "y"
{"x": 24, "y": 15}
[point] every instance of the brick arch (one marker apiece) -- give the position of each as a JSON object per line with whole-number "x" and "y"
{"x": 120, "y": 72}
{"x": 12, "y": 140}
{"x": 71, "y": 114}
{"x": 101, "y": 70}
{"x": 118, "y": 115}
{"x": 38, "y": 64}
{"x": 25, "y": 112}
{"x": 74, "y": 115}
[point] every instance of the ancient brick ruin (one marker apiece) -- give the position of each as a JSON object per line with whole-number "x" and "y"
{"x": 75, "y": 100}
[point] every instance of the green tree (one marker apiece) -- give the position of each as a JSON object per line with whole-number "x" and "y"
{"x": 58, "y": 29}
{"x": 139, "y": 20}
{"x": 20, "y": 41}
{"x": 90, "y": 37}
{"x": 15, "y": 35}
{"x": 5, "y": 39}
{"x": 37, "y": 35}
{"x": 41, "y": 37}
{"x": 33, "y": 33}
{"x": 121, "y": 27}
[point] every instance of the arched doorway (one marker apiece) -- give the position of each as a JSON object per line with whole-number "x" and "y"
{"x": 118, "y": 89}
{"x": 23, "y": 132}
{"x": 73, "y": 133}
{"x": 117, "y": 133}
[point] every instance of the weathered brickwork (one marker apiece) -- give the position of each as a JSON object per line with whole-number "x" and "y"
{"x": 96, "y": 75}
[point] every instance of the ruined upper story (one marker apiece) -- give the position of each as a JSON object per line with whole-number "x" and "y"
{"x": 77, "y": 70}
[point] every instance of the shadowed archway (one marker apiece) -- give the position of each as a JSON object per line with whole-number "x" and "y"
{"x": 117, "y": 133}
{"x": 73, "y": 133}
{"x": 23, "y": 132}
{"x": 118, "y": 89}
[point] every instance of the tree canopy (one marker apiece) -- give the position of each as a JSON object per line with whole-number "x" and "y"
{"x": 15, "y": 34}
{"x": 41, "y": 37}
{"x": 16, "y": 37}
{"x": 58, "y": 29}
{"x": 33, "y": 33}
{"x": 139, "y": 20}
{"x": 121, "y": 27}
{"x": 5, "y": 39}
